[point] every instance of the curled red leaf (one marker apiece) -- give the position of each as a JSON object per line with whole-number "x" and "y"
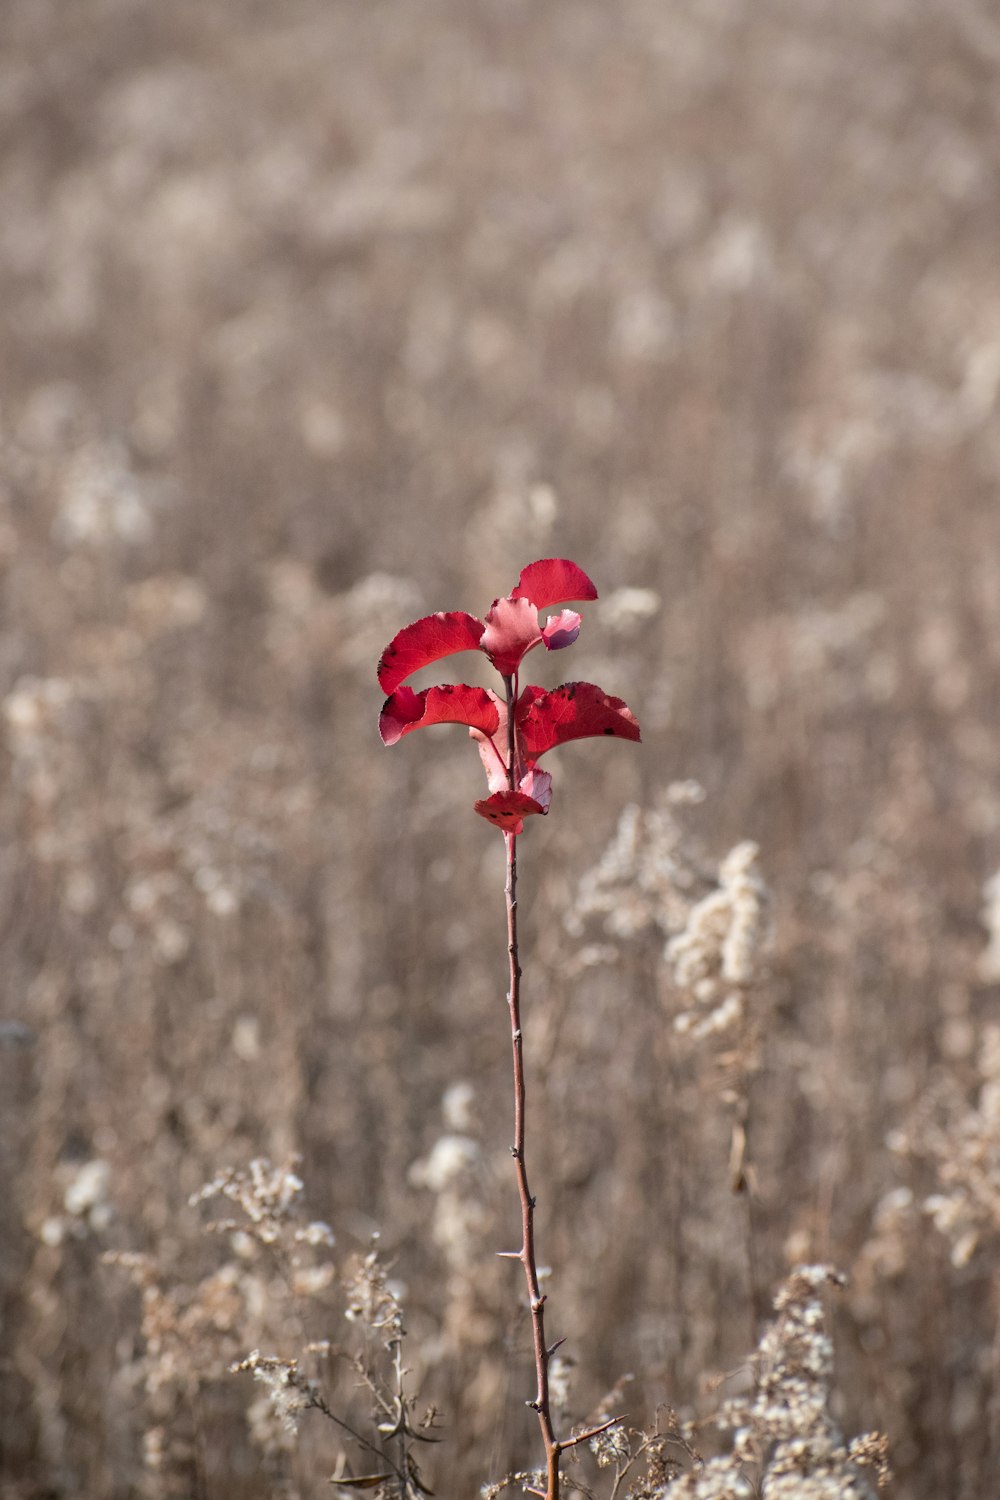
{"x": 508, "y": 810}
{"x": 427, "y": 640}
{"x": 404, "y": 710}
{"x": 573, "y": 711}
{"x": 553, "y": 580}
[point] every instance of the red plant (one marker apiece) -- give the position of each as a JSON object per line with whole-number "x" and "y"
{"x": 513, "y": 732}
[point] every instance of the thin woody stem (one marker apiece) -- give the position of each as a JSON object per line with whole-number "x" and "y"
{"x": 526, "y": 1256}
{"x": 591, "y": 1432}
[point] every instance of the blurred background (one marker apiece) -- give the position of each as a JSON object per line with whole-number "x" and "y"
{"x": 322, "y": 315}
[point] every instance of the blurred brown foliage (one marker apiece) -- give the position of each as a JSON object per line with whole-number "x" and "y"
{"x": 314, "y": 315}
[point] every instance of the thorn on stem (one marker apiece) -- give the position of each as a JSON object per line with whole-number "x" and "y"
{"x": 553, "y": 1347}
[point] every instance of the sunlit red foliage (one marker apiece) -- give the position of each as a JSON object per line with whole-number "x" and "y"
{"x": 541, "y": 719}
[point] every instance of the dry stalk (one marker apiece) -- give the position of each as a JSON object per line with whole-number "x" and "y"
{"x": 554, "y": 1447}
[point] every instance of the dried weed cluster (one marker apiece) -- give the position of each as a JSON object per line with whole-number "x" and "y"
{"x": 703, "y": 295}
{"x": 651, "y": 877}
{"x": 278, "y": 1284}
{"x": 784, "y": 1445}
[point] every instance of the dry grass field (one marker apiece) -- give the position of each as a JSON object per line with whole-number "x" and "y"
{"x": 320, "y": 315}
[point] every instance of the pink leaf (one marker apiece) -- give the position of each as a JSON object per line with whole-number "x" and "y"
{"x": 553, "y": 580}
{"x": 511, "y": 630}
{"x": 574, "y": 711}
{"x": 508, "y": 809}
{"x": 404, "y": 710}
{"x": 561, "y": 630}
{"x": 425, "y": 641}
{"x": 493, "y": 748}
{"x": 537, "y": 785}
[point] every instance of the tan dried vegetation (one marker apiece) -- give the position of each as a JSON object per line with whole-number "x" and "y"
{"x": 318, "y": 314}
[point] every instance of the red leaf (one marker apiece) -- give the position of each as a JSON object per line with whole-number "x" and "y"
{"x": 425, "y": 641}
{"x": 401, "y": 711}
{"x": 574, "y": 711}
{"x": 553, "y": 580}
{"x": 511, "y": 630}
{"x": 529, "y": 695}
{"x": 508, "y": 809}
{"x": 404, "y": 710}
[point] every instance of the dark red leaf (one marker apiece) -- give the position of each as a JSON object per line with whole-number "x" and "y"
{"x": 553, "y": 580}
{"x": 425, "y": 641}
{"x": 574, "y": 711}
{"x": 508, "y": 810}
{"x": 404, "y": 710}
{"x": 529, "y": 694}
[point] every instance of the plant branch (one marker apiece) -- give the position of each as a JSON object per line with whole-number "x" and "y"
{"x": 536, "y": 1299}
{"x": 591, "y": 1432}
{"x": 319, "y": 1402}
